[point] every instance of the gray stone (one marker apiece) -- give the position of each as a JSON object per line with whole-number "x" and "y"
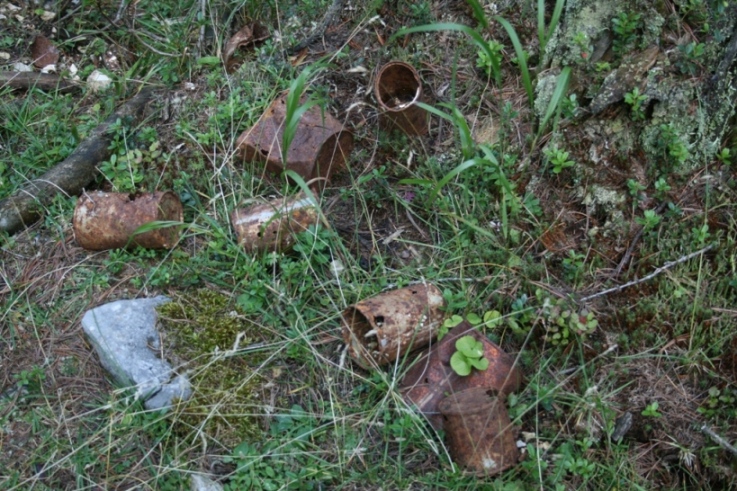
{"x": 198, "y": 482}
{"x": 124, "y": 335}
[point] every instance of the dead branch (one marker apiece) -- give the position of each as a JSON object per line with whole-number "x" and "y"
{"x": 650, "y": 276}
{"x": 718, "y": 439}
{"x": 43, "y": 81}
{"x": 69, "y": 176}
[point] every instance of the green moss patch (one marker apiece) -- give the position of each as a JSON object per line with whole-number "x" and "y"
{"x": 205, "y": 332}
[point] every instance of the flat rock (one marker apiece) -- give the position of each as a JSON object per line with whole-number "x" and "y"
{"x": 198, "y": 482}
{"x": 125, "y": 337}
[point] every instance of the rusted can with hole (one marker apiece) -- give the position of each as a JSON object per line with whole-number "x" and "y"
{"x": 109, "y": 220}
{"x": 320, "y": 147}
{"x": 431, "y": 377}
{"x": 480, "y": 435}
{"x": 381, "y": 329}
{"x": 272, "y": 226}
{"x": 398, "y": 89}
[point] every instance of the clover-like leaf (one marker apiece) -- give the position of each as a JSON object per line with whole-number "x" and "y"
{"x": 473, "y": 319}
{"x": 460, "y": 364}
{"x": 453, "y": 321}
{"x": 492, "y": 318}
{"x": 470, "y": 347}
{"x": 479, "y": 363}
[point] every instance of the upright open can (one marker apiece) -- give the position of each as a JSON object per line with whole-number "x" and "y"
{"x": 398, "y": 89}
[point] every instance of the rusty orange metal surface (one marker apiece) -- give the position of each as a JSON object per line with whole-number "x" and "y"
{"x": 272, "y": 226}
{"x": 398, "y": 89}
{"x": 480, "y": 435}
{"x": 320, "y": 147}
{"x": 431, "y": 377}
{"x": 108, "y": 220}
{"x": 381, "y": 329}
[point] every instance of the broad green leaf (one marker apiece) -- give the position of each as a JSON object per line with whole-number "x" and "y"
{"x": 479, "y": 364}
{"x": 492, "y": 318}
{"x": 453, "y": 321}
{"x": 473, "y": 319}
{"x": 460, "y": 364}
{"x": 470, "y": 347}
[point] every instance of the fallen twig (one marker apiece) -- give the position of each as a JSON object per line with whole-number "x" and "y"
{"x": 718, "y": 439}
{"x": 648, "y": 277}
{"x": 43, "y": 81}
{"x": 69, "y": 176}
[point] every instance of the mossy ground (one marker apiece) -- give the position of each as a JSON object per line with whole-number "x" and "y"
{"x": 207, "y": 336}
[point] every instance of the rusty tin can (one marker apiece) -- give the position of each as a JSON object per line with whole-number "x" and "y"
{"x": 109, "y": 220}
{"x": 480, "y": 435}
{"x": 272, "y": 226}
{"x": 320, "y": 147}
{"x": 381, "y": 329}
{"x": 431, "y": 377}
{"x": 398, "y": 89}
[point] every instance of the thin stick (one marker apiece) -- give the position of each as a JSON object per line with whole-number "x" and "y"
{"x": 718, "y": 439}
{"x": 648, "y": 277}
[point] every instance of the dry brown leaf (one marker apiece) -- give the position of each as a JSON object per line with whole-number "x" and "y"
{"x": 44, "y": 52}
{"x": 248, "y": 35}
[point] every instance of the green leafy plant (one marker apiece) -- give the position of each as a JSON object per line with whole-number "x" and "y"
{"x": 635, "y": 188}
{"x": 562, "y": 322}
{"x": 649, "y": 220}
{"x": 491, "y": 65}
{"x": 558, "y": 158}
{"x": 724, "y": 156}
{"x": 661, "y": 187}
{"x": 582, "y": 42}
{"x": 689, "y": 61}
{"x": 719, "y": 403}
{"x": 624, "y": 26}
{"x": 469, "y": 355}
{"x": 671, "y": 142}
{"x": 701, "y": 234}
{"x": 635, "y": 100}
{"x": 651, "y": 410}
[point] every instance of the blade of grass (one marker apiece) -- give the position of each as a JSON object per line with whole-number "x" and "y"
{"x": 472, "y": 33}
{"x": 556, "y": 99}
{"x": 521, "y": 60}
{"x": 294, "y": 109}
{"x": 554, "y": 20}
{"x": 450, "y": 175}
{"x": 154, "y": 225}
{"x": 478, "y": 12}
{"x": 544, "y": 34}
{"x": 541, "y": 25}
{"x": 467, "y": 144}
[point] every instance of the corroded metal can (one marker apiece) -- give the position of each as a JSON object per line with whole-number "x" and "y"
{"x": 480, "y": 435}
{"x": 381, "y": 329}
{"x": 431, "y": 377}
{"x": 272, "y": 226}
{"x": 111, "y": 220}
{"x": 398, "y": 89}
{"x": 320, "y": 147}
